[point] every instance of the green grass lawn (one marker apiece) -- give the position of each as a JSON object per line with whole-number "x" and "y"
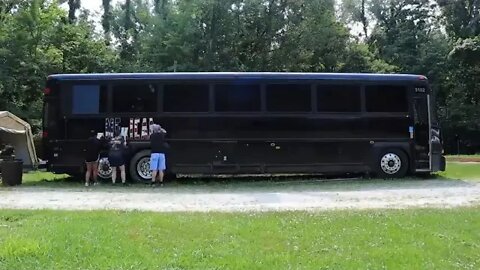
{"x": 464, "y": 171}
{"x": 394, "y": 239}
{"x": 374, "y": 239}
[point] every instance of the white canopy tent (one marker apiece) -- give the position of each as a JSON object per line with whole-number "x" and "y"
{"x": 18, "y": 133}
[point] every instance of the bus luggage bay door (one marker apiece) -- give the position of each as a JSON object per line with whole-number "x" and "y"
{"x": 224, "y": 157}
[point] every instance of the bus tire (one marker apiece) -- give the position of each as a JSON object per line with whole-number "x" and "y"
{"x": 392, "y": 163}
{"x": 139, "y": 167}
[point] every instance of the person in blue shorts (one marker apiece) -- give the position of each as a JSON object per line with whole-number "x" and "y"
{"x": 157, "y": 158}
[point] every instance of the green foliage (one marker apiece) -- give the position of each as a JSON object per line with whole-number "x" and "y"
{"x": 462, "y": 17}
{"x": 38, "y": 38}
{"x": 463, "y": 99}
{"x": 360, "y": 59}
{"x": 409, "y": 35}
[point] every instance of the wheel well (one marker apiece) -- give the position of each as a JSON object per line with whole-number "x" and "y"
{"x": 407, "y": 154}
{"x": 137, "y": 150}
{"x": 409, "y": 161}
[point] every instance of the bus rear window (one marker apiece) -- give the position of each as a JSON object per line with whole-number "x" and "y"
{"x": 386, "y": 98}
{"x": 88, "y": 99}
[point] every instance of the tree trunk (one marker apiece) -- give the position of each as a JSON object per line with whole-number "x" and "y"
{"x": 73, "y": 6}
{"x": 106, "y": 20}
{"x": 364, "y": 20}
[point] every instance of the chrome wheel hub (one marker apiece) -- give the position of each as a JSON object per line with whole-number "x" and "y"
{"x": 143, "y": 168}
{"x": 104, "y": 169}
{"x": 391, "y": 163}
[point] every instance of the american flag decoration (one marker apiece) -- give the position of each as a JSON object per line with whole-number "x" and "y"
{"x": 107, "y": 123}
{"x": 117, "y": 127}
{"x": 112, "y": 127}
{"x": 150, "y": 124}
{"x": 136, "y": 124}
{"x": 144, "y": 129}
{"x": 130, "y": 128}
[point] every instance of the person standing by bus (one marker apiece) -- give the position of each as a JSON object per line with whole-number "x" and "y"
{"x": 116, "y": 157}
{"x": 157, "y": 158}
{"x": 92, "y": 154}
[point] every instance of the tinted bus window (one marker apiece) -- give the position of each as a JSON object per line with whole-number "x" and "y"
{"x": 338, "y": 98}
{"x": 89, "y": 99}
{"x": 186, "y": 98}
{"x": 288, "y": 98}
{"x": 386, "y": 98}
{"x": 237, "y": 98}
{"x": 135, "y": 98}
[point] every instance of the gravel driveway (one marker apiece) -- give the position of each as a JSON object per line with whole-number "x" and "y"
{"x": 292, "y": 196}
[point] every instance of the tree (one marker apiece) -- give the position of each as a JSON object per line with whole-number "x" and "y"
{"x": 36, "y": 40}
{"x": 462, "y": 17}
{"x": 73, "y": 7}
{"x": 461, "y": 111}
{"x": 38, "y": 37}
{"x": 357, "y": 11}
{"x": 160, "y": 7}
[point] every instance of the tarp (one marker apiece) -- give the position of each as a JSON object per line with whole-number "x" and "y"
{"x": 18, "y": 133}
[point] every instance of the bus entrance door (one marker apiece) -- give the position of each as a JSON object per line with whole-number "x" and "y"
{"x": 421, "y": 133}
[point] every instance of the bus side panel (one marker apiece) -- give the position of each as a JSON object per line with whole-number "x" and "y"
{"x": 250, "y": 144}
{"x": 267, "y": 157}
{"x": 67, "y": 157}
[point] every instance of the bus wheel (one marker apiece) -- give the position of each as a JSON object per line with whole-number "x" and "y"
{"x": 140, "y": 167}
{"x": 104, "y": 169}
{"x": 392, "y": 163}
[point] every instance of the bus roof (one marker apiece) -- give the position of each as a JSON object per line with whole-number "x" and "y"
{"x": 239, "y": 75}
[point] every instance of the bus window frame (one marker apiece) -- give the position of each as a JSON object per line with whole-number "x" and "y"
{"x": 264, "y": 98}
{"x": 66, "y": 105}
{"x": 66, "y": 98}
{"x": 408, "y": 88}
{"x": 233, "y": 82}
{"x": 113, "y": 83}
{"x": 360, "y": 84}
{"x": 198, "y": 82}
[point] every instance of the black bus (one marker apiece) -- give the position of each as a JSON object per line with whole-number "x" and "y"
{"x": 248, "y": 123}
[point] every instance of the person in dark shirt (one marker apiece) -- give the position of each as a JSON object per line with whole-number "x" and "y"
{"x": 157, "y": 158}
{"x": 116, "y": 157}
{"x": 92, "y": 153}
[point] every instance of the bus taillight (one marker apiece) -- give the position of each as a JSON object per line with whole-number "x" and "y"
{"x": 47, "y": 91}
{"x": 45, "y": 134}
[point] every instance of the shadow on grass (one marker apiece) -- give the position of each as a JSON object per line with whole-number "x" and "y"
{"x": 47, "y": 179}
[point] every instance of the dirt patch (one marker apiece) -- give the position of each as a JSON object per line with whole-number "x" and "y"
{"x": 473, "y": 159}
{"x": 429, "y": 193}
